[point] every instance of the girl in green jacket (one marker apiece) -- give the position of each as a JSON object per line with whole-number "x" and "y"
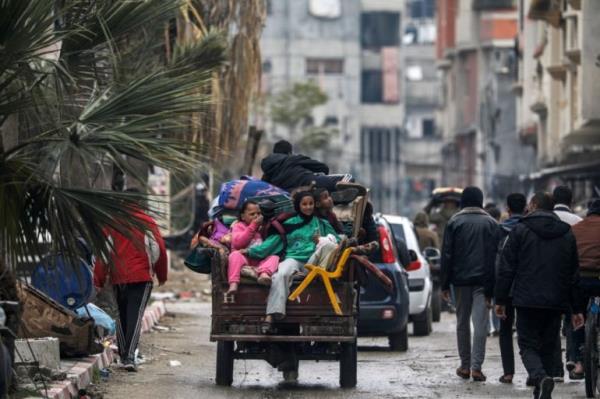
{"x": 302, "y": 235}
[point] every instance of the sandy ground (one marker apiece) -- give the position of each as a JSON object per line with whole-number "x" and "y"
{"x": 425, "y": 371}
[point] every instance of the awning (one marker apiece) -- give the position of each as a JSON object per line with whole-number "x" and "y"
{"x": 546, "y": 10}
{"x": 578, "y": 170}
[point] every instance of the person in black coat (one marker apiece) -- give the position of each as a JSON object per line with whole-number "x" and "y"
{"x": 539, "y": 266}
{"x": 288, "y": 171}
{"x": 468, "y": 263}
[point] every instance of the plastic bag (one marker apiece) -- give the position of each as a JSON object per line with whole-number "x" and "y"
{"x": 101, "y": 318}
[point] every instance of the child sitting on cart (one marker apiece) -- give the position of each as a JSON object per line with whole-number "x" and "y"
{"x": 245, "y": 233}
{"x": 302, "y": 235}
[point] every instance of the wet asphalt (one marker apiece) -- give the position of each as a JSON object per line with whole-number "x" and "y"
{"x": 426, "y": 370}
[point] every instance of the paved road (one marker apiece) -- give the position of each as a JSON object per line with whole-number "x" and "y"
{"x": 425, "y": 371}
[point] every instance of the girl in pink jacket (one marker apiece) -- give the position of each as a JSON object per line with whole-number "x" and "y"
{"x": 245, "y": 233}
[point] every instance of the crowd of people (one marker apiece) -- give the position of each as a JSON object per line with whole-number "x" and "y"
{"x": 537, "y": 269}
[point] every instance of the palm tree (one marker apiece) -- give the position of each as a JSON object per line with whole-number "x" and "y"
{"x": 84, "y": 88}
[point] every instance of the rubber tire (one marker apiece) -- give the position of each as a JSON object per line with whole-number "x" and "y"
{"x": 348, "y": 366}
{"x": 224, "y": 375}
{"x": 590, "y": 357}
{"x": 422, "y": 324}
{"x": 436, "y": 304}
{"x": 399, "y": 341}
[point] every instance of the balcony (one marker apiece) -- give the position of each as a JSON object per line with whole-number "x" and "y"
{"x": 422, "y": 93}
{"x": 490, "y": 5}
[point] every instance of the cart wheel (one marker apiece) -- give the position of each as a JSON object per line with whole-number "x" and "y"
{"x": 590, "y": 357}
{"x": 348, "y": 365}
{"x": 224, "y": 363}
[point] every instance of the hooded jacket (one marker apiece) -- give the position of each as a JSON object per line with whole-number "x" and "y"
{"x": 469, "y": 250}
{"x": 130, "y": 261}
{"x": 540, "y": 262}
{"x": 291, "y": 171}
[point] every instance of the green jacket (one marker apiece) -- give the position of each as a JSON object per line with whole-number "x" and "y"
{"x": 300, "y": 244}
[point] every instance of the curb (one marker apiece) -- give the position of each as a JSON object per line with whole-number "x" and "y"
{"x": 80, "y": 372}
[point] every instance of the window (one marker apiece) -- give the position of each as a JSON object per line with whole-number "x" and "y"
{"x": 269, "y": 7}
{"x": 327, "y": 66}
{"x": 330, "y": 9}
{"x": 380, "y": 29}
{"x": 428, "y": 128}
{"x": 377, "y": 145}
{"x": 372, "y": 87}
{"x": 421, "y": 8}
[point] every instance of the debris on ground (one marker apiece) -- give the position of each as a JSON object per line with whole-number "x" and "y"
{"x": 174, "y": 363}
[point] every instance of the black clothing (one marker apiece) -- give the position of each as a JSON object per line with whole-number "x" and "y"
{"x": 131, "y": 300}
{"x": 507, "y": 352}
{"x": 291, "y": 171}
{"x": 471, "y": 197}
{"x": 536, "y": 331}
{"x": 469, "y": 250}
{"x": 539, "y": 264}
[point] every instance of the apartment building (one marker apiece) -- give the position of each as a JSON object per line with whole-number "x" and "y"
{"x": 559, "y": 91}
{"x": 422, "y": 142}
{"x": 477, "y": 61}
{"x": 352, "y": 50}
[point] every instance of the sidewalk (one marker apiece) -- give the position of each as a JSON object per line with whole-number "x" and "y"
{"x": 80, "y": 372}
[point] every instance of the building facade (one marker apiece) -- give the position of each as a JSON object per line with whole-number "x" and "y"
{"x": 558, "y": 83}
{"x": 351, "y": 49}
{"x": 476, "y": 58}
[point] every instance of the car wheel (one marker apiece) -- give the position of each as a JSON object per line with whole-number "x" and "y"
{"x": 422, "y": 324}
{"x": 224, "y": 363}
{"x": 436, "y": 304}
{"x": 399, "y": 341}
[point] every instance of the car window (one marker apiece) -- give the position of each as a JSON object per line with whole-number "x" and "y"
{"x": 398, "y": 231}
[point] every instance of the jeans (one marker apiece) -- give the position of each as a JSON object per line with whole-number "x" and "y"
{"x": 537, "y": 330}
{"x": 507, "y": 351}
{"x": 471, "y": 305}
{"x": 280, "y": 286}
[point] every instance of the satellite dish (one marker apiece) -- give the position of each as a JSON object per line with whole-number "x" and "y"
{"x": 325, "y": 8}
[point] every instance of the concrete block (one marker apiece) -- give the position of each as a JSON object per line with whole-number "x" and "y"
{"x": 45, "y": 350}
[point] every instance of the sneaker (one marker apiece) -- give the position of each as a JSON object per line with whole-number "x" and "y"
{"x": 129, "y": 366}
{"x": 544, "y": 391}
{"x": 249, "y": 271}
{"x": 570, "y": 365}
{"x": 264, "y": 279}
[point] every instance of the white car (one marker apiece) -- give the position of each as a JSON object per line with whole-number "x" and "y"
{"x": 419, "y": 275}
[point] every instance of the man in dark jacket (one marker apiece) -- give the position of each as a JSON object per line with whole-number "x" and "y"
{"x": 587, "y": 234}
{"x": 468, "y": 259}
{"x": 288, "y": 171}
{"x": 539, "y": 265}
{"x": 515, "y": 204}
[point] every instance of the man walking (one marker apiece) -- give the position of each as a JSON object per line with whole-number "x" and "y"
{"x": 515, "y": 204}
{"x": 587, "y": 234}
{"x": 468, "y": 257}
{"x": 135, "y": 259}
{"x": 563, "y": 199}
{"x": 539, "y": 265}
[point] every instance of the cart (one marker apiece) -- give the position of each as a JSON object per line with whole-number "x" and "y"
{"x": 311, "y": 330}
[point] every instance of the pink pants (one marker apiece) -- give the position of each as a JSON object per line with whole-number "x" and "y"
{"x": 237, "y": 260}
